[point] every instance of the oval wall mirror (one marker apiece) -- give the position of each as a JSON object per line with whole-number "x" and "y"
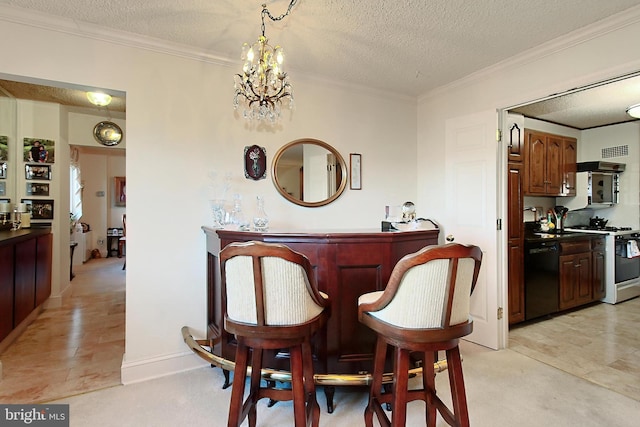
{"x": 309, "y": 172}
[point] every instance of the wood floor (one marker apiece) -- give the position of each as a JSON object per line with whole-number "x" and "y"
{"x": 73, "y": 349}
{"x": 600, "y": 343}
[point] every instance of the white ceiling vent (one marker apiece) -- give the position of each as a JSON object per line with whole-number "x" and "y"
{"x": 619, "y": 151}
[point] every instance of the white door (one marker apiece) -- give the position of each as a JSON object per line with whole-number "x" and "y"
{"x": 472, "y": 207}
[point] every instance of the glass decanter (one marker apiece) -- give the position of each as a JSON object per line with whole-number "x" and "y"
{"x": 237, "y": 216}
{"x": 260, "y": 219}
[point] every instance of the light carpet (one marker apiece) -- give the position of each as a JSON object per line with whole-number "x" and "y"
{"x": 504, "y": 388}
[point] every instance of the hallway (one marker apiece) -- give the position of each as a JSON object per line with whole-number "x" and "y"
{"x": 75, "y": 348}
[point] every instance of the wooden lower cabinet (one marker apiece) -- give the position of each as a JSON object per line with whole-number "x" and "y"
{"x": 347, "y": 265}
{"x": 44, "y": 245}
{"x": 581, "y": 273}
{"x": 25, "y": 275}
{"x": 516, "y": 283}
{"x": 25, "y": 280}
{"x": 6, "y": 291}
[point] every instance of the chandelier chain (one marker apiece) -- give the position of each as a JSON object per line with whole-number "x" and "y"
{"x": 266, "y": 12}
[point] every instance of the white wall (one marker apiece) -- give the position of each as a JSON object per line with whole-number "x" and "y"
{"x": 625, "y": 213}
{"x": 98, "y": 171}
{"x": 582, "y": 58}
{"x": 180, "y": 127}
{"x": 48, "y": 121}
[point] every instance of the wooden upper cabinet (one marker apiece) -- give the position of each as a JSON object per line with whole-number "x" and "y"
{"x": 545, "y": 164}
{"x": 569, "y": 160}
{"x": 535, "y": 163}
{"x": 554, "y": 165}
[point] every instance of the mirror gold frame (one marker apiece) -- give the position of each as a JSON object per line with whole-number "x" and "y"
{"x": 340, "y": 165}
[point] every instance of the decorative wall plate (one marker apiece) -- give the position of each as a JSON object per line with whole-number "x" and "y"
{"x": 107, "y": 133}
{"x": 255, "y": 162}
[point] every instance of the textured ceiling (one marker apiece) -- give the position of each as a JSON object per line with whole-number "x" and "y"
{"x": 410, "y": 46}
{"x": 597, "y": 106}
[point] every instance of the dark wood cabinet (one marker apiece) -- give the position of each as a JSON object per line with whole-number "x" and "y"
{"x": 515, "y": 231}
{"x": 576, "y": 285}
{"x": 543, "y": 164}
{"x": 25, "y": 280}
{"x": 44, "y": 256}
{"x": 346, "y": 264}
{"x": 6, "y": 291}
{"x": 25, "y": 275}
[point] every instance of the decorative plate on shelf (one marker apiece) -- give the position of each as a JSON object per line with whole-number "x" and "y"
{"x": 107, "y": 133}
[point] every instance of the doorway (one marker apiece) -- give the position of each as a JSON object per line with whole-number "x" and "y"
{"x": 596, "y": 113}
{"x": 93, "y": 303}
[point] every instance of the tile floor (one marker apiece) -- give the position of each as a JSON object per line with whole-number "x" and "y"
{"x": 75, "y": 348}
{"x": 78, "y": 348}
{"x": 600, "y": 343}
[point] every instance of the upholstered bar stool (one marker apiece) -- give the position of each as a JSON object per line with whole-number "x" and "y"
{"x": 272, "y": 303}
{"x": 424, "y": 309}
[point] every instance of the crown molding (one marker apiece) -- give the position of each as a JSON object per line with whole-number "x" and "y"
{"x": 613, "y": 23}
{"x": 82, "y": 29}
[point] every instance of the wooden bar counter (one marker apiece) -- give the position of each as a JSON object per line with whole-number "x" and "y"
{"x": 347, "y": 264}
{"x": 25, "y": 279}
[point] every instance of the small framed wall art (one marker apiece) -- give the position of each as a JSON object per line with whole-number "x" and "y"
{"x": 255, "y": 162}
{"x": 120, "y": 183}
{"x": 37, "y": 150}
{"x": 3, "y": 170}
{"x": 42, "y": 172}
{"x": 39, "y": 209}
{"x": 37, "y": 189}
{"x": 355, "y": 171}
{"x": 4, "y": 148}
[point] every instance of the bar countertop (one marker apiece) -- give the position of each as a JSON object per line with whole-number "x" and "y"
{"x": 15, "y": 236}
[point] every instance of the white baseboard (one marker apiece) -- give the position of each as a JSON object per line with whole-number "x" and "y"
{"x": 148, "y": 369}
{"x": 56, "y": 301}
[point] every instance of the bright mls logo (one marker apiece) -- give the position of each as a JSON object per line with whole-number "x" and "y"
{"x": 34, "y": 415}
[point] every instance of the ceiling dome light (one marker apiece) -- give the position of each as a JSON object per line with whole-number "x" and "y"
{"x": 634, "y": 111}
{"x": 99, "y": 99}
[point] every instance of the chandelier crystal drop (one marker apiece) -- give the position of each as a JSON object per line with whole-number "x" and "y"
{"x": 263, "y": 87}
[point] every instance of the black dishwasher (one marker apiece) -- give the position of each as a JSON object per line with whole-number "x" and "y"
{"x": 541, "y": 278}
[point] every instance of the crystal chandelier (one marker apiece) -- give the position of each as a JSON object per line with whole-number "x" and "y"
{"x": 262, "y": 86}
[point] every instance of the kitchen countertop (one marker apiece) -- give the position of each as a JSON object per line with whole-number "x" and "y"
{"x": 531, "y": 236}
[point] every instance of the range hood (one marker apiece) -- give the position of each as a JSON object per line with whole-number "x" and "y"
{"x": 598, "y": 166}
